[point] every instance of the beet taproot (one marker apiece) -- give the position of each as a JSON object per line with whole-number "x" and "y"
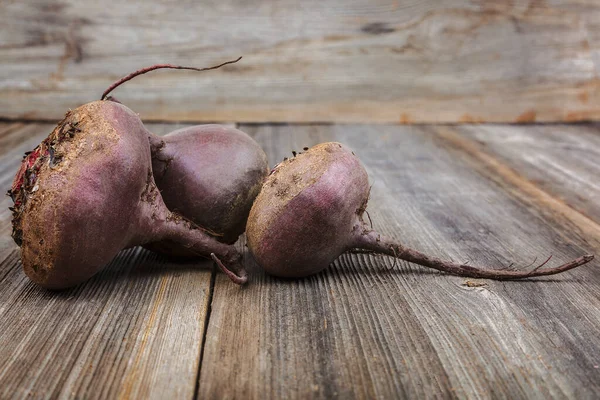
{"x": 211, "y": 174}
{"x": 87, "y": 191}
{"x": 310, "y": 210}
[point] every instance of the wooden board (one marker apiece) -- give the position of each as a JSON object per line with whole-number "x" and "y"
{"x": 560, "y": 159}
{"x": 367, "y": 328}
{"x": 347, "y": 61}
{"x": 135, "y": 330}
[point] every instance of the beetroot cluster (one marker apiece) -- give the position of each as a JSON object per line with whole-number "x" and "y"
{"x": 101, "y": 182}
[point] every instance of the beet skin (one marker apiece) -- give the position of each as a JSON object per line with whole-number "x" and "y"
{"x": 211, "y": 174}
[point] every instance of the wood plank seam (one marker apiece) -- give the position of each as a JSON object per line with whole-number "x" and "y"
{"x": 410, "y": 333}
{"x": 133, "y": 331}
{"x": 211, "y": 291}
{"x": 524, "y": 189}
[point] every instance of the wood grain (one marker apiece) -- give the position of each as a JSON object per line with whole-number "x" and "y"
{"x": 368, "y": 328}
{"x": 305, "y": 61}
{"x": 365, "y": 328}
{"x": 560, "y": 159}
{"x": 133, "y": 331}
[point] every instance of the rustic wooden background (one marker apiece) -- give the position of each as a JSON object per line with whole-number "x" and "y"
{"x": 150, "y": 328}
{"x": 307, "y": 60}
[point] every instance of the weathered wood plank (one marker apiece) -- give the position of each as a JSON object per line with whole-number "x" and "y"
{"x": 560, "y": 159}
{"x": 350, "y": 61}
{"x": 591, "y": 27}
{"x": 356, "y": 331}
{"x": 133, "y": 331}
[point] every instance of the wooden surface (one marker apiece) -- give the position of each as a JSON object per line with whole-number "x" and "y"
{"x": 366, "y": 327}
{"x": 562, "y": 161}
{"x": 395, "y": 61}
{"x": 135, "y": 330}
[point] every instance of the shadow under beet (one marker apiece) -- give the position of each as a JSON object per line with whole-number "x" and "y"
{"x": 350, "y": 265}
{"x": 136, "y": 266}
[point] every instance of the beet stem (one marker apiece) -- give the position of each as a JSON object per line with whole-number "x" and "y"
{"x": 155, "y": 67}
{"x": 371, "y": 240}
{"x": 199, "y": 242}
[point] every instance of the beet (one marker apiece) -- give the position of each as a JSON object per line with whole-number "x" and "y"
{"x": 310, "y": 211}
{"x": 211, "y": 174}
{"x": 208, "y": 173}
{"x": 87, "y": 191}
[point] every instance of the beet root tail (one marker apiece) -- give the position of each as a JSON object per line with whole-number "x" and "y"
{"x": 371, "y": 240}
{"x": 199, "y": 242}
{"x": 240, "y": 278}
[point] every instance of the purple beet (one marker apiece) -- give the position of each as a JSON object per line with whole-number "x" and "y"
{"x": 211, "y": 174}
{"x": 87, "y": 191}
{"x": 310, "y": 211}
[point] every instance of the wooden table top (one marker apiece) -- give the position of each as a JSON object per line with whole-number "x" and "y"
{"x": 367, "y": 327}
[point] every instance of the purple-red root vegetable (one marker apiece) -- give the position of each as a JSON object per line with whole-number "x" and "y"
{"x": 211, "y": 174}
{"x": 87, "y": 191}
{"x": 311, "y": 210}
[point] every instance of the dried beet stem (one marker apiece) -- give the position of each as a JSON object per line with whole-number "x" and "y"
{"x": 155, "y": 67}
